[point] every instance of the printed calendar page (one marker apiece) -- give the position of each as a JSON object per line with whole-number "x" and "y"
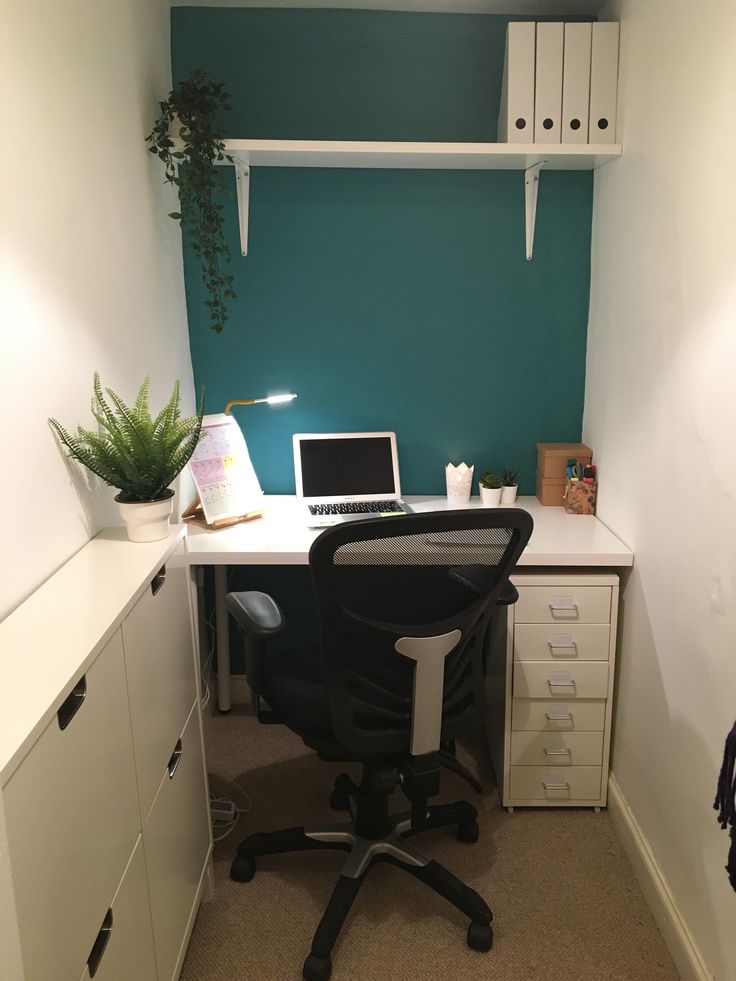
{"x": 222, "y": 471}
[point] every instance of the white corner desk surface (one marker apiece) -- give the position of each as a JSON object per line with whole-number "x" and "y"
{"x": 281, "y": 537}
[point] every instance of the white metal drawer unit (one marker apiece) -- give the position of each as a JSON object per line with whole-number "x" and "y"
{"x": 550, "y": 685}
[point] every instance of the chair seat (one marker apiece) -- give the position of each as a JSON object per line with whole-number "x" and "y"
{"x": 293, "y": 687}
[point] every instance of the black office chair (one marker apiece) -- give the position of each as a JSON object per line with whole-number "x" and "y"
{"x": 404, "y": 604}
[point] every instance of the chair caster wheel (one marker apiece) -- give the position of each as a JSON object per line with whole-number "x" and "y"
{"x": 339, "y": 801}
{"x": 242, "y": 869}
{"x": 480, "y": 936}
{"x": 317, "y": 968}
{"x": 340, "y": 796}
{"x": 468, "y": 831}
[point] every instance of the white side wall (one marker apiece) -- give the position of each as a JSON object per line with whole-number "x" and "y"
{"x": 660, "y": 413}
{"x": 90, "y": 266}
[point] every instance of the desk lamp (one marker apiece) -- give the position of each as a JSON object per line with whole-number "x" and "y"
{"x": 270, "y": 399}
{"x": 194, "y": 512}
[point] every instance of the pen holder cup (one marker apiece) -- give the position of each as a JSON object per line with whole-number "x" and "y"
{"x": 580, "y": 497}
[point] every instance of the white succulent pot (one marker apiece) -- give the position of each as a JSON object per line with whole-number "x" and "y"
{"x": 147, "y": 521}
{"x": 508, "y": 494}
{"x": 490, "y": 497}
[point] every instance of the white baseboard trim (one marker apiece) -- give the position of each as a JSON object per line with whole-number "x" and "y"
{"x": 674, "y": 929}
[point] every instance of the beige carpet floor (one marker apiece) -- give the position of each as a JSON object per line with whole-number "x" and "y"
{"x": 566, "y": 905}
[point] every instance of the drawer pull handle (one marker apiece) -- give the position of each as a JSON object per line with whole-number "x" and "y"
{"x": 556, "y": 752}
{"x": 561, "y": 684}
{"x": 562, "y": 647}
{"x": 556, "y": 786}
{"x": 175, "y": 760}
{"x": 98, "y": 947}
{"x": 565, "y": 612}
{"x": 558, "y": 718}
{"x": 72, "y": 703}
{"x": 158, "y": 580}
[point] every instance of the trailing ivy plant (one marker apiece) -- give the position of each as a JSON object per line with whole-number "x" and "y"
{"x": 194, "y": 108}
{"x": 132, "y": 451}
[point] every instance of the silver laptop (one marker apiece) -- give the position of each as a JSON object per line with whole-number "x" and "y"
{"x": 347, "y": 476}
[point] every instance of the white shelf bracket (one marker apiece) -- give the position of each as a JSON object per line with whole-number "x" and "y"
{"x": 531, "y": 191}
{"x": 242, "y": 177}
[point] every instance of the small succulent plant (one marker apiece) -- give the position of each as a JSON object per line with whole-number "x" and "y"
{"x": 491, "y": 480}
{"x": 510, "y": 477}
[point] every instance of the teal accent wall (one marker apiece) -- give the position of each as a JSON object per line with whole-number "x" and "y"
{"x": 388, "y": 299}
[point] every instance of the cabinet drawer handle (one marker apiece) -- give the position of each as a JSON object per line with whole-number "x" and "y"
{"x": 556, "y": 786}
{"x": 158, "y": 580}
{"x": 175, "y": 760}
{"x": 556, "y": 752}
{"x": 563, "y": 647}
{"x": 570, "y": 611}
{"x": 560, "y": 684}
{"x": 558, "y": 718}
{"x": 72, "y": 703}
{"x": 98, "y": 947}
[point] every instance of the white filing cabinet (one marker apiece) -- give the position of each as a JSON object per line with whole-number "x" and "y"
{"x": 106, "y": 835}
{"x": 550, "y": 678}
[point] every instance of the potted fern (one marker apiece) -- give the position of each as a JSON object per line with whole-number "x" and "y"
{"x": 490, "y": 489}
{"x": 137, "y": 454}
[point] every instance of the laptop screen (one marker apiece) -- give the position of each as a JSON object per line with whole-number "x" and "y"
{"x": 347, "y": 465}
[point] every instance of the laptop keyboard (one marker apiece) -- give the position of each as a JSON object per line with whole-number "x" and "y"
{"x": 355, "y": 507}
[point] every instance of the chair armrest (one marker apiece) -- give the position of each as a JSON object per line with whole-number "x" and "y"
{"x": 509, "y": 595}
{"x": 259, "y": 617}
{"x": 256, "y": 614}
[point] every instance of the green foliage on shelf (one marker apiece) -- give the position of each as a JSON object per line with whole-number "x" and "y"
{"x": 490, "y": 480}
{"x": 510, "y": 477}
{"x": 196, "y": 106}
{"x": 134, "y": 452}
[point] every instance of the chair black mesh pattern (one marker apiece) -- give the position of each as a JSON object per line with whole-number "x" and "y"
{"x": 404, "y": 606}
{"x": 378, "y": 581}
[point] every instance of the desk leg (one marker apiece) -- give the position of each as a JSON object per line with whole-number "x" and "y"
{"x": 222, "y": 628}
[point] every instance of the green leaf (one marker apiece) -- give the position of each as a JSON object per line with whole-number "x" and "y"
{"x": 132, "y": 452}
{"x": 199, "y": 103}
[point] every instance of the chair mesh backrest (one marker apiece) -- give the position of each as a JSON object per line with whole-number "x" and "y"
{"x": 413, "y": 575}
{"x": 462, "y": 546}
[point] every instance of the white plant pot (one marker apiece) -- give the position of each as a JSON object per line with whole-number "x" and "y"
{"x": 490, "y": 497}
{"x": 147, "y": 521}
{"x": 508, "y": 494}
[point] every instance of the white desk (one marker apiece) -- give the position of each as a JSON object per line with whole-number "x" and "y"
{"x": 280, "y": 537}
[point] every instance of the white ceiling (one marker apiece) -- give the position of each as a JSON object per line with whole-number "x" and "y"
{"x": 534, "y": 7}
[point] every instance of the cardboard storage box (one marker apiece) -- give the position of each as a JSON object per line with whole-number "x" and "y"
{"x": 551, "y": 490}
{"x": 552, "y": 469}
{"x": 552, "y": 458}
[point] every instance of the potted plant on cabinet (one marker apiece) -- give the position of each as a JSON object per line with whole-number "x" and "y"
{"x": 490, "y": 489}
{"x": 137, "y": 454}
{"x": 510, "y": 479}
{"x": 192, "y": 114}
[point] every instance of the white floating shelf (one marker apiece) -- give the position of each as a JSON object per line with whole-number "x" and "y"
{"x": 528, "y": 157}
{"x": 430, "y": 156}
